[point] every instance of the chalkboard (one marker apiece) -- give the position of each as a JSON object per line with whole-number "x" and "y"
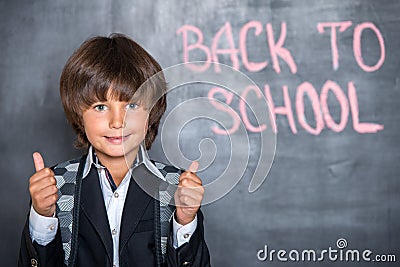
{"x": 328, "y": 70}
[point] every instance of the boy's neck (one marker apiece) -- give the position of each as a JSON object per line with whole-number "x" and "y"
{"x": 117, "y": 166}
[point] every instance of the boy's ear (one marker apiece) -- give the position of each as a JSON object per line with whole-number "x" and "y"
{"x": 146, "y": 126}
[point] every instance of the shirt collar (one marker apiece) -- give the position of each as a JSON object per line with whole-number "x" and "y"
{"x": 141, "y": 157}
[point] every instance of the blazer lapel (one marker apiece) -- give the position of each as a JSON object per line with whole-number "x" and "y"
{"x": 93, "y": 207}
{"x": 136, "y": 203}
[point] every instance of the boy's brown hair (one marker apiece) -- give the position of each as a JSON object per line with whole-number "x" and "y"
{"x": 115, "y": 66}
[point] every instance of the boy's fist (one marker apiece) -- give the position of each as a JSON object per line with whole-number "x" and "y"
{"x": 42, "y": 187}
{"x": 189, "y": 195}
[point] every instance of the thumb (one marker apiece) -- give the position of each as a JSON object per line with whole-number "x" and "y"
{"x": 38, "y": 160}
{"x": 193, "y": 167}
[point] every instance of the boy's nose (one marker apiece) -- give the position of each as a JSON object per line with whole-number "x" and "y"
{"x": 117, "y": 120}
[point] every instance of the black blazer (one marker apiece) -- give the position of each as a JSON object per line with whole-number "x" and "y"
{"x": 137, "y": 241}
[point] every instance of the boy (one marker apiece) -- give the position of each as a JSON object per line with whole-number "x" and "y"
{"x": 92, "y": 211}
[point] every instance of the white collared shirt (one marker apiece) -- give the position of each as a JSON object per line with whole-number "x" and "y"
{"x": 43, "y": 229}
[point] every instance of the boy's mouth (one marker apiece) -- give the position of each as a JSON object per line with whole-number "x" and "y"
{"x": 117, "y": 140}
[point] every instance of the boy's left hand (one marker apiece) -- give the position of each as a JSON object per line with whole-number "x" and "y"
{"x": 189, "y": 195}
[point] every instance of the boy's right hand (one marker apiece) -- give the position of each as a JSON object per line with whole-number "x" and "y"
{"x": 43, "y": 189}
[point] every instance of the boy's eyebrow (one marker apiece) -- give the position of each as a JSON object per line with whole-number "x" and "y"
{"x": 96, "y": 103}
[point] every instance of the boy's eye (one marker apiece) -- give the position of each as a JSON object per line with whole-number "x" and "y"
{"x": 100, "y": 107}
{"x": 132, "y": 106}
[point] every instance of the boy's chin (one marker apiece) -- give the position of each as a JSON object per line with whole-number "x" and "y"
{"x": 113, "y": 154}
{"x": 118, "y": 151}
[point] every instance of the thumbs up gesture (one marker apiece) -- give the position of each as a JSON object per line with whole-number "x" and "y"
{"x": 189, "y": 195}
{"x": 42, "y": 188}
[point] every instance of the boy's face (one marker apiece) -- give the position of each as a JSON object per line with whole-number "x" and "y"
{"x": 115, "y": 129}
